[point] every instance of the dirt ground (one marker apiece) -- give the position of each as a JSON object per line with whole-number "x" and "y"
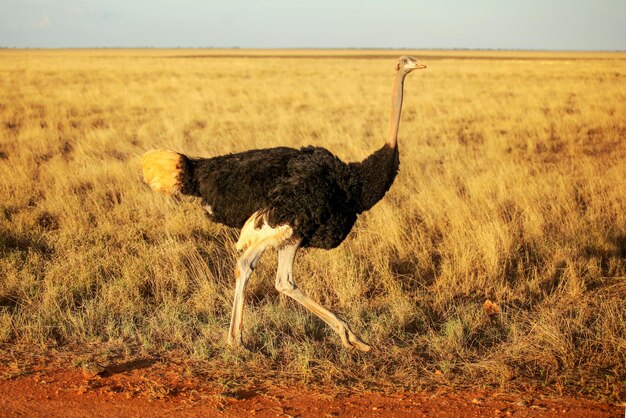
{"x": 146, "y": 388}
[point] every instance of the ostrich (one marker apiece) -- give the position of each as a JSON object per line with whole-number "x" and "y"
{"x": 287, "y": 199}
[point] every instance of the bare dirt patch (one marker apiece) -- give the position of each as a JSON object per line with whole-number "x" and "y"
{"x": 145, "y": 387}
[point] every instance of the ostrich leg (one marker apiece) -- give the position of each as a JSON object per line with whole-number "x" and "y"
{"x": 243, "y": 270}
{"x": 253, "y": 241}
{"x": 285, "y": 284}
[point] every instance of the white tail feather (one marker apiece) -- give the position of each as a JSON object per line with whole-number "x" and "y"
{"x": 162, "y": 170}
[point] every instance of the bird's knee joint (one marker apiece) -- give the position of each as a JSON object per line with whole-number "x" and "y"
{"x": 285, "y": 286}
{"x": 242, "y": 268}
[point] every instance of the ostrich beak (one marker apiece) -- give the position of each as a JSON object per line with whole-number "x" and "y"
{"x": 419, "y": 66}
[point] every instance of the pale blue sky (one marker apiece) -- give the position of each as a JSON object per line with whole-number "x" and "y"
{"x": 494, "y": 24}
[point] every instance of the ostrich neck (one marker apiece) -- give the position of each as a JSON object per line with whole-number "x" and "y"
{"x": 396, "y": 109}
{"x": 375, "y": 175}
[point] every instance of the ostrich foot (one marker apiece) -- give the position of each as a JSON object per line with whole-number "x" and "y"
{"x": 235, "y": 340}
{"x": 349, "y": 338}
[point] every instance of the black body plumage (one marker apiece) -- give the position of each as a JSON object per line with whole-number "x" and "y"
{"x": 309, "y": 189}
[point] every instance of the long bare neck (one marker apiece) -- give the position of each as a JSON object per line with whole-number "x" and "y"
{"x": 376, "y": 173}
{"x": 396, "y": 109}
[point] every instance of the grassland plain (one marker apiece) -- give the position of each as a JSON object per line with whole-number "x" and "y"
{"x": 512, "y": 188}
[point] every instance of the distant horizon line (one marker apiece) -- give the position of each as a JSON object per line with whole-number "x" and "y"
{"x": 316, "y": 48}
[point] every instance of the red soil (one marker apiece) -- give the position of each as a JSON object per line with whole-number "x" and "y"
{"x": 143, "y": 388}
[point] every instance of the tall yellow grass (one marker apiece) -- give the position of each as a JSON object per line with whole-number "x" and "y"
{"x": 512, "y": 188}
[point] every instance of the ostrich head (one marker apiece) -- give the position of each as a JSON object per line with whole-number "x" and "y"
{"x": 407, "y": 64}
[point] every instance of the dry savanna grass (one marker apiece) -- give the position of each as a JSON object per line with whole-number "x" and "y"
{"x": 512, "y": 190}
